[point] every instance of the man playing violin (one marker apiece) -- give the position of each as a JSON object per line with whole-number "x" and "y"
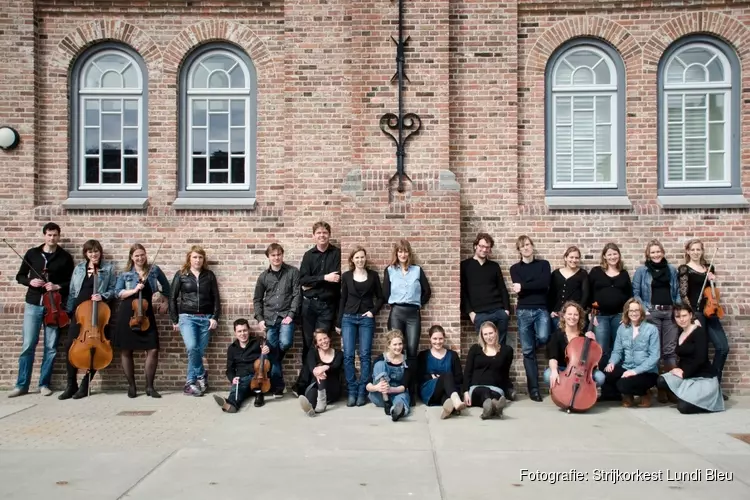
{"x": 241, "y": 357}
{"x": 55, "y": 265}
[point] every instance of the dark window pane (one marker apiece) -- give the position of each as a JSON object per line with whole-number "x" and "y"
{"x": 199, "y": 170}
{"x": 238, "y": 141}
{"x": 219, "y": 161}
{"x": 131, "y": 170}
{"x": 130, "y": 139}
{"x": 92, "y": 141}
{"x": 217, "y": 148}
{"x": 199, "y": 113}
{"x": 219, "y": 177}
{"x": 131, "y": 113}
{"x": 92, "y": 170}
{"x": 111, "y": 159}
{"x": 238, "y": 170}
{"x": 199, "y": 141}
{"x": 110, "y": 177}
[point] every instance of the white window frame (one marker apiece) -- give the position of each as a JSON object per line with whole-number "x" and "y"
{"x": 723, "y": 88}
{"x": 608, "y": 90}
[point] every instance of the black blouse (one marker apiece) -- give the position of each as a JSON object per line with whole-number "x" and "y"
{"x": 610, "y": 293}
{"x": 575, "y": 288}
{"x": 487, "y": 370}
{"x": 693, "y": 354}
{"x": 359, "y": 297}
{"x": 691, "y": 282}
{"x": 558, "y": 342}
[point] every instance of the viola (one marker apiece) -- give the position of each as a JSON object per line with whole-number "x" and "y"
{"x": 139, "y": 322}
{"x": 261, "y": 367}
{"x": 91, "y": 350}
{"x": 54, "y": 312}
{"x": 576, "y": 390}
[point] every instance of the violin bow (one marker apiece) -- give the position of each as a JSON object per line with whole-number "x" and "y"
{"x": 24, "y": 260}
{"x": 708, "y": 270}
{"x": 153, "y": 262}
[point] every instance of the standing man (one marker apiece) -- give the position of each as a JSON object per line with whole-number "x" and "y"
{"x": 55, "y": 265}
{"x": 276, "y": 301}
{"x": 531, "y": 278}
{"x": 320, "y": 273}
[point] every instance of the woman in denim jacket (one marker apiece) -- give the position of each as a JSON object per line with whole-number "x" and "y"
{"x": 656, "y": 286}
{"x": 391, "y": 378}
{"x": 82, "y": 290}
{"x": 633, "y": 367}
{"x": 147, "y": 279}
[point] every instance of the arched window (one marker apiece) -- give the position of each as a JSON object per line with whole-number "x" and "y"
{"x": 108, "y": 123}
{"x": 218, "y": 124}
{"x": 585, "y": 146}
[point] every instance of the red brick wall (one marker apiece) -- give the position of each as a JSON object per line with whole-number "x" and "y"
{"x": 477, "y": 81}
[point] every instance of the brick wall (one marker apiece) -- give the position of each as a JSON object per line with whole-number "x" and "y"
{"x": 324, "y": 69}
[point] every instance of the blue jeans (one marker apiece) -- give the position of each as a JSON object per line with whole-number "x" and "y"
{"x": 357, "y": 328}
{"x": 718, "y": 338}
{"x": 195, "y": 334}
{"x": 393, "y": 375}
{"x": 279, "y": 336}
{"x": 32, "y": 323}
{"x": 533, "y": 331}
{"x": 500, "y": 320}
{"x": 598, "y": 376}
{"x": 606, "y": 334}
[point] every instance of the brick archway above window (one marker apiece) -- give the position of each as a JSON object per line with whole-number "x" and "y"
{"x": 581, "y": 26}
{"x": 725, "y": 27}
{"x": 219, "y": 31}
{"x": 116, "y": 30}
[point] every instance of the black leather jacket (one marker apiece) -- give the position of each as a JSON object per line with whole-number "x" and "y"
{"x": 194, "y": 296}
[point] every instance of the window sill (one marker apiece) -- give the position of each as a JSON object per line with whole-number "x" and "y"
{"x": 74, "y": 203}
{"x": 588, "y": 202}
{"x": 214, "y": 204}
{"x": 705, "y": 201}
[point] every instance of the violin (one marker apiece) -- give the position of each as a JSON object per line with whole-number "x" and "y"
{"x": 91, "y": 350}
{"x": 54, "y": 312}
{"x": 261, "y": 367}
{"x": 576, "y": 390}
{"x": 712, "y": 308}
{"x": 139, "y": 322}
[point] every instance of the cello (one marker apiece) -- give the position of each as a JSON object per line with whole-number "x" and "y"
{"x": 54, "y": 312}
{"x": 91, "y": 350}
{"x": 576, "y": 390}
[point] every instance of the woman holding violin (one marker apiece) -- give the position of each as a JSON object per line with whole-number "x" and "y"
{"x": 319, "y": 381}
{"x": 92, "y": 271}
{"x": 571, "y": 327}
{"x": 135, "y": 326}
{"x": 692, "y": 278}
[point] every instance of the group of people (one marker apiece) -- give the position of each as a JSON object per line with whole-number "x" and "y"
{"x": 658, "y": 316}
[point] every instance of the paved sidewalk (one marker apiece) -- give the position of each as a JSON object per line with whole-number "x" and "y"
{"x": 188, "y": 449}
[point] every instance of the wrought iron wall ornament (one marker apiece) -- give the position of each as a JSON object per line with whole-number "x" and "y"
{"x": 400, "y": 128}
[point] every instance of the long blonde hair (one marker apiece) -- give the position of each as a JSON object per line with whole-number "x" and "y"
{"x": 692, "y": 242}
{"x": 480, "y": 339}
{"x": 199, "y": 250}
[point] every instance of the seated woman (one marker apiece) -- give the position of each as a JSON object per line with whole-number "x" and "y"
{"x": 694, "y": 382}
{"x": 487, "y": 372}
{"x": 634, "y": 364}
{"x": 439, "y": 375}
{"x": 319, "y": 381}
{"x": 571, "y": 326}
{"x": 391, "y": 377}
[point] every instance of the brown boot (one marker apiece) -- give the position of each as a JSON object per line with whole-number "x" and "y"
{"x": 645, "y": 401}
{"x": 627, "y": 401}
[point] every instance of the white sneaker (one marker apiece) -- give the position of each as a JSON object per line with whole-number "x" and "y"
{"x": 46, "y": 391}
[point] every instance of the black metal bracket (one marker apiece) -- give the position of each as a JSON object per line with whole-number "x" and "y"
{"x": 400, "y": 128}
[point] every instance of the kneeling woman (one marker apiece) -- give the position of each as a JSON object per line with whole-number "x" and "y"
{"x": 439, "y": 374}
{"x": 487, "y": 372}
{"x": 82, "y": 290}
{"x": 319, "y": 381}
{"x": 694, "y": 382}
{"x": 391, "y": 377}
{"x": 571, "y": 326}
{"x": 634, "y": 364}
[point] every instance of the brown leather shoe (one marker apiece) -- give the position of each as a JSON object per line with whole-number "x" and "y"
{"x": 661, "y": 396}
{"x": 645, "y": 401}
{"x": 627, "y": 401}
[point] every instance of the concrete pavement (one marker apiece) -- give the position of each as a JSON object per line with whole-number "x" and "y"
{"x": 186, "y": 448}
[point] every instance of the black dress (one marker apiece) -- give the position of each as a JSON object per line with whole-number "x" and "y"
{"x": 127, "y": 339}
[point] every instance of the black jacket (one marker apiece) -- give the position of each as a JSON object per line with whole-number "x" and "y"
{"x": 423, "y": 375}
{"x": 352, "y": 302}
{"x": 240, "y": 361}
{"x": 315, "y": 265}
{"x": 59, "y": 269}
{"x": 194, "y": 296}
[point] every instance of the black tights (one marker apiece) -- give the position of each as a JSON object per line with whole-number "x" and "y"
{"x": 480, "y": 394}
{"x": 444, "y": 387}
{"x": 682, "y": 406}
{"x": 128, "y": 366}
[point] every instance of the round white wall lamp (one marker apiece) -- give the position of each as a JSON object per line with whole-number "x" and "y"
{"x": 9, "y": 137}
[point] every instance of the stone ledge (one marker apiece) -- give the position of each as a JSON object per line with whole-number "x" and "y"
{"x": 706, "y": 201}
{"x": 588, "y": 203}
{"x": 80, "y": 203}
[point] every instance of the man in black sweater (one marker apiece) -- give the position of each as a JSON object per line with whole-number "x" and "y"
{"x": 55, "y": 266}
{"x": 320, "y": 276}
{"x": 241, "y": 355}
{"x": 531, "y": 279}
